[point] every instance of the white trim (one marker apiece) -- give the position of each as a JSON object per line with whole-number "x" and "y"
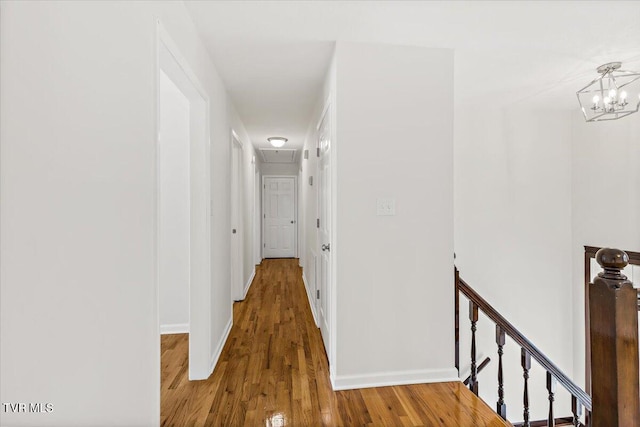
{"x": 310, "y": 298}
{"x": 199, "y": 327}
{"x": 335, "y": 244}
{"x": 249, "y": 283}
{"x": 257, "y": 216}
{"x": 156, "y": 235}
{"x": 218, "y": 351}
{"x": 327, "y": 103}
{"x": 383, "y": 379}
{"x": 175, "y": 328}
{"x": 173, "y": 48}
{"x": 236, "y": 138}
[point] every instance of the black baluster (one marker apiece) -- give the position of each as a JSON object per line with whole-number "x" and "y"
{"x": 576, "y": 409}
{"x": 473, "y": 316}
{"x": 526, "y": 365}
{"x": 501, "y": 407}
{"x": 551, "y": 388}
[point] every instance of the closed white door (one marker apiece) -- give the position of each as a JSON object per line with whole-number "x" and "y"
{"x": 237, "y": 285}
{"x": 323, "y": 291}
{"x": 279, "y": 217}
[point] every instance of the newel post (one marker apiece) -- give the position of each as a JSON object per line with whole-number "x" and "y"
{"x": 614, "y": 344}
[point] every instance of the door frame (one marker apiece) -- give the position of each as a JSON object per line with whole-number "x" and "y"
{"x": 236, "y": 204}
{"x": 295, "y": 210}
{"x": 257, "y": 215}
{"x": 170, "y": 60}
{"x": 301, "y": 221}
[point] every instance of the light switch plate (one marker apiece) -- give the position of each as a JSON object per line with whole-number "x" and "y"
{"x": 386, "y": 207}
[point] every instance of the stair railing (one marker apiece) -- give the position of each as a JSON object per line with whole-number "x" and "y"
{"x": 579, "y": 398}
{"x": 613, "y": 326}
{"x": 589, "y": 254}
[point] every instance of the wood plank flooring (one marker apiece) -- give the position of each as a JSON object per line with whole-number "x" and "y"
{"x": 273, "y": 372}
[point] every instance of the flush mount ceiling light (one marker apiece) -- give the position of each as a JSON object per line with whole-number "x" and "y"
{"x": 611, "y": 96}
{"x": 277, "y": 141}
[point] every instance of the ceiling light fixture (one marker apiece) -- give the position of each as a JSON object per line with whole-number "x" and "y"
{"x": 277, "y": 141}
{"x": 613, "y": 95}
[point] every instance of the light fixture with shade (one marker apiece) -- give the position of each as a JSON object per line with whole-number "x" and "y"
{"x": 612, "y": 95}
{"x": 277, "y": 141}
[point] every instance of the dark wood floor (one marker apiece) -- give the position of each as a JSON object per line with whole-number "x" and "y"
{"x": 273, "y": 372}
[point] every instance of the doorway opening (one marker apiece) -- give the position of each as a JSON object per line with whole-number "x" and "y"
{"x": 183, "y": 263}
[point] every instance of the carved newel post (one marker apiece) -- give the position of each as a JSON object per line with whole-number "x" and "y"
{"x": 614, "y": 344}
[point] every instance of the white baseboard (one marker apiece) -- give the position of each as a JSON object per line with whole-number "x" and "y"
{"x": 249, "y": 282}
{"x": 310, "y": 298}
{"x": 176, "y": 328}
{"x": 220, "y": 346}
{"x": 383, "y": 379}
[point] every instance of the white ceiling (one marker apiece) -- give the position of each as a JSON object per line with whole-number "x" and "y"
{"x": 273, "y": 55}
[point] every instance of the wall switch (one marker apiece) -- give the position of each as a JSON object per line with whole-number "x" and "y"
{"x": 386, "y": 207}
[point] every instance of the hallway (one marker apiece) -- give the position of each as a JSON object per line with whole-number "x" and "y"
{"x": 273, "y": 372}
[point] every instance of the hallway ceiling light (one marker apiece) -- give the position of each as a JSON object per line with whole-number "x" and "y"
{"x": 611, "y": 96}
{"x": 277, "y": 141}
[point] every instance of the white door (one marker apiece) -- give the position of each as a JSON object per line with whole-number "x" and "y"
{"x": 279, "y": 217}
{"x": 323, "y": 294}
{"x": 237, "y": 293}
{"x": 257, "y": 217}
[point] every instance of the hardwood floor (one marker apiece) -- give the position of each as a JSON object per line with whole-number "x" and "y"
{"x": 273, "y": 372}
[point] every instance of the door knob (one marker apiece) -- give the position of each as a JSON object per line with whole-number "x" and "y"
{"x": 233, "y": 231}
{"x": 326, "y": 247}
{"x": 292, "y": 222}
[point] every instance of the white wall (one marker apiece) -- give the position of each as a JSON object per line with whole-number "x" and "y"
{"x": 513, "y": 237}
{"x": 78, "y": 185}
{"x": 173, "y": 244}
{"x": 605, "y": 202}
{"x": 394, "y": 273}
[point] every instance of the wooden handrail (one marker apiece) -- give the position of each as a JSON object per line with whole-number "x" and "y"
{"x": 524, "y": 343}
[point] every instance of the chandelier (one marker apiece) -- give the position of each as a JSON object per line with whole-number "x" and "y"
{"x": 612, "y": 95}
